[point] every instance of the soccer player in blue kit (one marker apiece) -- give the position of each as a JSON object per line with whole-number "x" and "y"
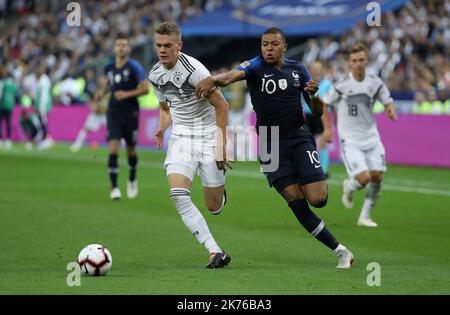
{"x": 276, "y": 85}
{"x": 126, "y": 80}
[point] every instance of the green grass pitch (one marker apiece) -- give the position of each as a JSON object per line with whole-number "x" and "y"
{"x": 53, "y": 203}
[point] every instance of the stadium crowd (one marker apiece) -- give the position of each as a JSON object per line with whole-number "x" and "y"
{"x": 38, "y": 33}
{"x": 410, "y": 51}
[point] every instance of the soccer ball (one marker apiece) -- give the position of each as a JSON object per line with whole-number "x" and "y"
{"x": 95, "y": 260}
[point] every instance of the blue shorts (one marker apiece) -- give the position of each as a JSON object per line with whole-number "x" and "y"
{"x": 124, "y": 126}
{"x": 298, "y": 162}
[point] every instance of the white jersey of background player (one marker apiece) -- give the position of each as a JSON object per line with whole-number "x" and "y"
{"x": 362, "y": 152}
{"x": 194, "y": 140}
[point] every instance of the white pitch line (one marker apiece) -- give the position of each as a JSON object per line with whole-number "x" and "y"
{"x": 234, "y": 173}
{"x": 408, "y": 189}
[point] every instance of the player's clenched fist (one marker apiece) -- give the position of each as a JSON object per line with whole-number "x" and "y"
{"x": 312, "y": 87}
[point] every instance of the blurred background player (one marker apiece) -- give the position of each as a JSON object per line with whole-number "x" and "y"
{"x": 277, "y": 86}
{"x": 8, "y": 98}
{"x": 320, "y": 127}
{"x": 43, "y": 103}
{"x": 197, "y": 143}
{"x": 125, "y": 79}
{"x": 33, "y": 129}
{"x": 362, "y": 152}
{"x": 95, "y": 120}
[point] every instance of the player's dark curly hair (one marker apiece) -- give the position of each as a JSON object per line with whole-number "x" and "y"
{"x": 169, "y": 28}
{"x": 275, "y": 30}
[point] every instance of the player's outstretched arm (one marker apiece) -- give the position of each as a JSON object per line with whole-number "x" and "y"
{"x": 207, "y": 85}
{"x": 390, "y": 111}
{"x": 164, "y": 122}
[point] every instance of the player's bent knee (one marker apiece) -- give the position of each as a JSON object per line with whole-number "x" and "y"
{"x": 216, "y": 206}
{"x": 376, "y": 178}
{"x": 319, "y": 202}
{"x": 215, "y": 209}
{"x": 363, "y": 180}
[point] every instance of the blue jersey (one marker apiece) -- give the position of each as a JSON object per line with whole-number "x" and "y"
{"x": 276, "y": 93}
{"x": 126, "y": 78}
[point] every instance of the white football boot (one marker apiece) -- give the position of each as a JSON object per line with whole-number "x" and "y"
{"x": 75, "y": 148}
{"x": 367, "y": 222}
{"x": 345, "y": 259}
{"x": 115, "y": 194}
{"x": 132, "y": 189}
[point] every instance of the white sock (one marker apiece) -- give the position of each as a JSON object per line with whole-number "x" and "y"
{"x": 339, "y": 248}
{"x": 193, "y": 219}
{"x": 371, "y": 198}
{"x": 373, "y": 192}
{"x": 366, "y": 209}
{"x": 80, "y": 138}
{"x": 353, "y": 185}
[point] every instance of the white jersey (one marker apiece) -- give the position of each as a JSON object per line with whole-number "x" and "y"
{"x": 177, "y": 87}
{"x": 353, "y": 101}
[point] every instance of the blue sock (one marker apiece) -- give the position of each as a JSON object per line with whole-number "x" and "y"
{"x": 312, "y": 223}
{"x": 324, "y": 156}
{"x": 113, "y": 169}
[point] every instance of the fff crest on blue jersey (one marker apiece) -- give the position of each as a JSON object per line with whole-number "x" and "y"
{"x": 117, "y": 78}
{"x": 296, "y": 77}
{"x": 126, "y": 74}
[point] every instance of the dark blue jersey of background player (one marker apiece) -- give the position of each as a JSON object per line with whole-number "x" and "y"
{"x": 126, "y": 81}
{"x": 276, "y": 92}
{"x": 126, "y": 78}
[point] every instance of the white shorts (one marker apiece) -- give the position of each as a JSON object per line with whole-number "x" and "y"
{"x": 188, "y": 156}
{"x": 94, "y": 122}
{"x": 357, "y": 160}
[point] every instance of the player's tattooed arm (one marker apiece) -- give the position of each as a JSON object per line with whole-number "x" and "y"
{"x": 390, "y": 111}
{"x": 207, "y": 85}
{"x": 164, "y": 122}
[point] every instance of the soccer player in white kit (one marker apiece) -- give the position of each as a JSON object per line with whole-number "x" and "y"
{"x": 95, "y": 120}
{"x": 362, "y": 152}
{"x": 197, "y": 143}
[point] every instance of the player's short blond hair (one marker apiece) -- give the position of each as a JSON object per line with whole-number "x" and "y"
{"x": 169, "y": 28}
{"x": 357, "y": 48}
